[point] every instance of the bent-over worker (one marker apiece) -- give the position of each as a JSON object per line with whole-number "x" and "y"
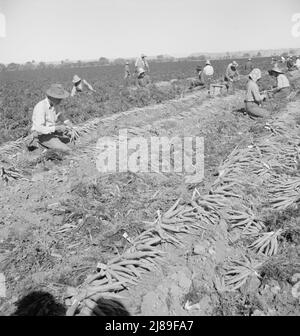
{"x": 141, "y": 68}
{"x": 78, "y": 84}
{"x": 207, "y": 75}
{"x": 231, "y": 75}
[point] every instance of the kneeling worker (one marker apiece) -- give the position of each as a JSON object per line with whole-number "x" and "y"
{"x": 48, "y": 125}
{"x": 283, "y": 85}
{"x": 254, "y": 99}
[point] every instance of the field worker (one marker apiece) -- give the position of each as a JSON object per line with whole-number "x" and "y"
{"x": 127, "y": 71}
{"x": 78, "y": 84}
{"x": 290, "y": 64}
{"x": 207, "y": 75}
{"x": 141, "y": 68}
{"x": 199, "y": 72}
{"x": 282, "y": 59}
{"x": 48, "y": 125}
{"x": 231, "y": 75}
{"x": 249, "y": 65}
{"x": 253, "y": 98}
{"x": 298, "y": 62}
{"x": 283, "y": 84}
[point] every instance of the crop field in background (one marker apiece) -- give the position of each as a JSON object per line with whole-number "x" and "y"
{"x": 21, "y": 90}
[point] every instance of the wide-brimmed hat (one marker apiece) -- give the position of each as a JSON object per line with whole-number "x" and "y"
{"x": 249, "y": 59}
{"x": 234, "y": 63}
{"x": 255, "y": 74}
{"x": 208, "y": 62}
{"x": 76, "y": 79}
{"x": 276, "y": 69}
{"x": 143, "y": 55}
{"x": 127, "y": 63}
{"x": 57, "y": 91}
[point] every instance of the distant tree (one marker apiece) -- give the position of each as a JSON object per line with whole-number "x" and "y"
{"x": 285, "y": 54}
{"x": 79, "y": 64}
{"x": 103, "y": 61}
{"x": 119, "y": 61}
{"x": 246, "y": 55}
{"x": 28, "y": 66}
{"x": 13, "y": 67}
{"x": 42, "y": 65}
{"x": 292, "y": 52}
{"x": 2, "y": 67}
{"x": 259, "y": 54}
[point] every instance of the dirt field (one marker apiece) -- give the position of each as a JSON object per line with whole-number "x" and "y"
{"x": 65, "y": 217}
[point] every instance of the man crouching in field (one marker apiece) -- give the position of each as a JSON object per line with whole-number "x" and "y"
{"x": 48, "y": 126}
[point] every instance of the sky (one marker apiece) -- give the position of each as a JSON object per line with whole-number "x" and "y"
{"x": 53, "y": 30}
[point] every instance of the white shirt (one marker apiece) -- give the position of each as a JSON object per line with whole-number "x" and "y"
{"x": 298, "y": 63}
{"x": 282, "y": 82}
{"x": 208, "y": 70}
{"x": 44, "y": 117}
{"x": 141, "y": 64}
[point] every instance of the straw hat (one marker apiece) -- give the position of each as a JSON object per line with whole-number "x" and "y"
{"x": 234, "y": 63}
{"x": 57, "y": 91}
{"x": 76, "y": 79}
{"x": 143, "y": 55}
{"x": 276, "y": 69}
{"x": 207, "y": 62}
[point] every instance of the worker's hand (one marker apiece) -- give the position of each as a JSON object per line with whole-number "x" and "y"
{"x": 60, "y": 128}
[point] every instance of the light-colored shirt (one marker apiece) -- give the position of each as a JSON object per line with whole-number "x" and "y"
{"x": 298, "y": 63}
{"x": 208, "y": 70}
{"x": 252, "y": 92}
{"x": 127, "y": 71}
{"x": 141, "y": 64}
{"x": 282, "y": 82}
{"x": 45, "y": 117}
{"x": 79, "y": 87}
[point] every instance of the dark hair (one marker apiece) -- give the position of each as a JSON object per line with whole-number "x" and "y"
{"x": 39, "y": 304}
{"x": 110, "y": 307}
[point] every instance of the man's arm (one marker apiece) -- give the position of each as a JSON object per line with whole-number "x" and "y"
{"x": 256, "y": 94}
{"x": 73, "y": 92}
{"x": 88, "y": 85}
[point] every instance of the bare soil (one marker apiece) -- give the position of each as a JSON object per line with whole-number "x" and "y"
{"x": 57, "y": 225}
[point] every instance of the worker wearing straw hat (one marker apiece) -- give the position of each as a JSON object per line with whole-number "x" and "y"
{"x": 141, "y": 68}
{"x": 231, "y": 75}
{"x": 78, "y": 84}
{"x": 283, "y": 85}
{"x": 49, "y": 125}
{"x": 253, "y": 100}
